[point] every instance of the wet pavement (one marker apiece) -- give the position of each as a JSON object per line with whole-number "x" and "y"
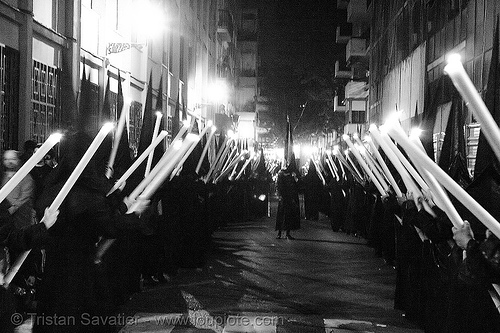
{"x": 323, "y": 281}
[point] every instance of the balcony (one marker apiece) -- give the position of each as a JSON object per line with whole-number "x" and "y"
{"x": 342, "y": 73}
{"x": 355, "y": 50}
{"x": 357, "y": 12}
{"x": 343, "y": 33}
{"x": 225, "y": 25}
{"x": 356, "y": 90}
{"x": 338, "y": 105}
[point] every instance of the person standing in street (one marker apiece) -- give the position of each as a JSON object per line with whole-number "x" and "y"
{"x": 288, "y": 216}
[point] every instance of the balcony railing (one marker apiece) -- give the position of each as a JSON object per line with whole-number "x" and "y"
{"x": 338, "y": 104}
{"x": 225, "y": 25}
{"x": 355, "y": 48}
{"x": 343, "y": 33}
{"x": 342, "y": 73}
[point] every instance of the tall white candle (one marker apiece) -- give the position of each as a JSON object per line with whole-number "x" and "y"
{"x": 233, "y": 162}
{"x": 338, "y": 155}
{"x": 440, "y": 197}
{"x": 229, "y": 159}
{"x": 218, "y": 167}
{"x": 318, "y": 171}
{"x": 464, "y": 85}
{"x": 168, "y": 168}
{"x": 410, "y": 186}
{"x": 371, "y": 163}
{"x": 375, "y": 168}
{"x": 159, "y": 177}
{"x": 406, "y": 163}
{"x": 330, "y": 166}
{"x": 118, "y": 134}
{"x": 138, "y": 161}
{"x": 343, "y": 163}
{"x": 222, "y": 149}
{"x": 159, "y": 116}
{"x": 385, "y": 168}
{"x": 15, "y": 268}
{"x": 179, "y": 164}
{"x": 352, "y": 165}
{"x": 442, "y": 177}
{"x": 231, "y": 176}
{"x": 80, "y": 166}
{"x": 51, "y": 141}
{"x": 170, "y": 156}
{"x": 364, "y": 165}
{"x": 244, "y": 167}
{"x": 207, "y": 145}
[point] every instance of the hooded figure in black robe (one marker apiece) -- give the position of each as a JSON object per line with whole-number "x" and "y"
{"x": 73, "y": 288}
{"x": 288, "y": 216}
{"x": 312, "y": 193}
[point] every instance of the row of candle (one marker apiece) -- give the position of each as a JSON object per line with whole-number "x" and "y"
{"x": 430, "y": 179}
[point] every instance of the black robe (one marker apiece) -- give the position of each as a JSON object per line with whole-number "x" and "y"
{"x": 288, "y": 216}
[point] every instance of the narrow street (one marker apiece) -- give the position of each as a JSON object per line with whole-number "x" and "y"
{"x": 320, "y": 282}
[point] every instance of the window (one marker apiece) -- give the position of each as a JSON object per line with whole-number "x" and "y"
{"x": 45, "y": 116}
{"x": 472, "y": 136}
{"x": 358, "y": 117}
{"x": 135, "y": 125}
{"x": 443, "y": 112}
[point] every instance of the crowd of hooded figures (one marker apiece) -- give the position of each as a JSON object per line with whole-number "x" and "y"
{"x": 91, "y": 255}
{"x": 444, "y": 275}
{"x": 88, "y": 257}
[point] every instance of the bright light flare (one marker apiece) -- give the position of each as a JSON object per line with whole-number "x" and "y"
{"x": 393, "y": 118}
{"x": 454, "y": 63}
{"x": 108, "y": 126}
{"x": 57, "y": 136}
{"x": 415, "y": 132}
{"x": 177, "y": 144}
{"x": 219, "y": 91}
{"x": 150, "y": 18}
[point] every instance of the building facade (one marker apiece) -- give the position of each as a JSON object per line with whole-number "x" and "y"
{"x": 187, "y": 47}
{"x": 407, "y": 47}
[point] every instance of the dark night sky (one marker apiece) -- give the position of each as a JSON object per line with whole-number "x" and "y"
{"x": 301, "y": 33}
{"x": 297, "y": 43}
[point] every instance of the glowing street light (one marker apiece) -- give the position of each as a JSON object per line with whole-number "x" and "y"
{"x": 219, "y": 91}
{"x": 150, "y": 19}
